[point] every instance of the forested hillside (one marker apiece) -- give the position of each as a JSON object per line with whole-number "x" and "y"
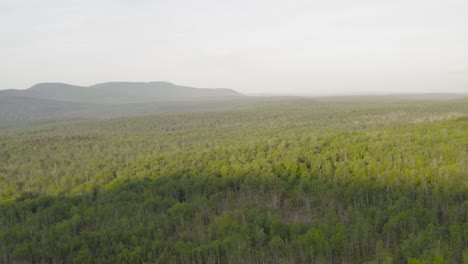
{"x": 22, "y": 110}
{"x": 287, "y": 181}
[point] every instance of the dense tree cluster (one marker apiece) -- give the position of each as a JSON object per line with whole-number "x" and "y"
{"x": 298, "y": 182}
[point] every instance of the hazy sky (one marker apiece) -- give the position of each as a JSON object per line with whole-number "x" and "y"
{"x": 327, "y": 46}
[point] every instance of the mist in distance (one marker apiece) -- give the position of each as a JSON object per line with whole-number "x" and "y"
{"x": 254, "y": 47}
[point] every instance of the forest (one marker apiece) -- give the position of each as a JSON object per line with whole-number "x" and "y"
{"x": 337, "y": 180}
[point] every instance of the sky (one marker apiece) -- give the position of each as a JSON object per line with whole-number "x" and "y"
{"x": 255, "y": 47}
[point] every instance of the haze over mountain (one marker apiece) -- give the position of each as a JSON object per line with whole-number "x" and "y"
{"x": 60, "y": 101}
{"x": 122, "y": 93}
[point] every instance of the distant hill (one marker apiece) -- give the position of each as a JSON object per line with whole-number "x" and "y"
{"x": 59, "y": 101}
{"x": 121, "y": 93}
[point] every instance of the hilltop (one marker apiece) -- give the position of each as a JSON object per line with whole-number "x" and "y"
{"x": 121, "y": 92}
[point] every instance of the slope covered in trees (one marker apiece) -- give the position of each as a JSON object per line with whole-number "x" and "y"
{"x": 23, "y": 110}
{"x": 282, "y": 182}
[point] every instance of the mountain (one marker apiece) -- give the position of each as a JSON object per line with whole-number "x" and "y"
{"x": 122, "y": 93}
{"x": 59, "y": 101}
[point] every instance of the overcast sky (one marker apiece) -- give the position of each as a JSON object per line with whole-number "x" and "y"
{"x": 326, "y": 46}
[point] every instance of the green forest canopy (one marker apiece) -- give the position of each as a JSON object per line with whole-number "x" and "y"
{"x": 287, "y": 181}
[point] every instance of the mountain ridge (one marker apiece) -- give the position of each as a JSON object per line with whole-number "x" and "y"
{"x": 122, "y": 92}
